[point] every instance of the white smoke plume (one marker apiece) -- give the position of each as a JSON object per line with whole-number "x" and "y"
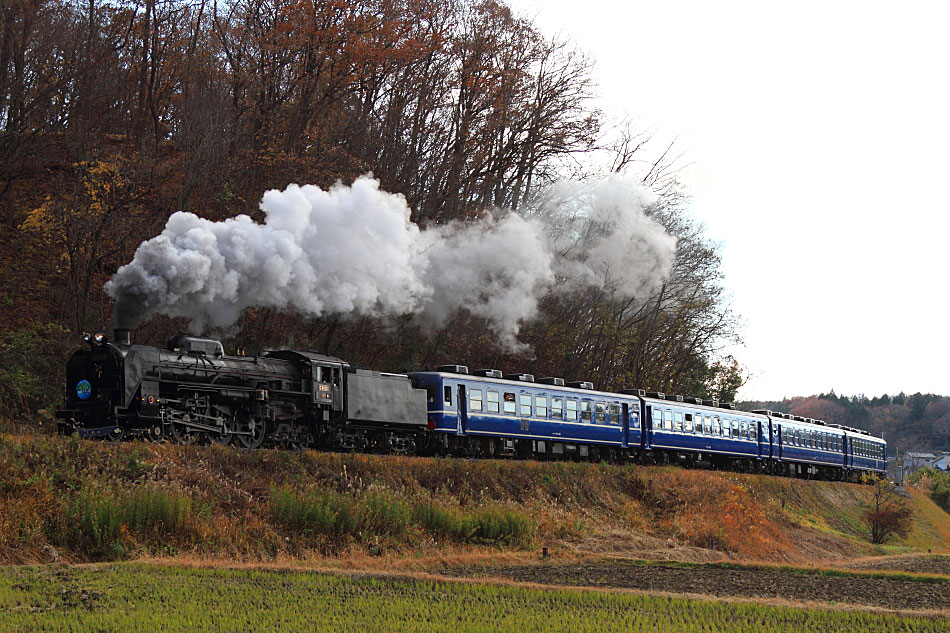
{"x": 354, "y": 250}
{"x": 602, "y": 237}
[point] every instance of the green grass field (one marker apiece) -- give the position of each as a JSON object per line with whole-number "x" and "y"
{"x": 139, "y": 597}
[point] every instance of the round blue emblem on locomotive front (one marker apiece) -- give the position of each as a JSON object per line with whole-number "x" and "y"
{"x": 83, "y": 389}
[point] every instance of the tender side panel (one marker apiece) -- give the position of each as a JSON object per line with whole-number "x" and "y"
{"x": 388, "y": 398}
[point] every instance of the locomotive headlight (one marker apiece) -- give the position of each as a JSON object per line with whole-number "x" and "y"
{"x": 99, "y": 338}
{"x": 86, "y": 337}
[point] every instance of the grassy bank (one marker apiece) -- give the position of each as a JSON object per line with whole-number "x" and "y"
{"x": 126, "y": 597}
{"x": 71, "y": 500}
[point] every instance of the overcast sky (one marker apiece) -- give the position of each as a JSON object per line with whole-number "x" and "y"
{"x": 820, "y": 136}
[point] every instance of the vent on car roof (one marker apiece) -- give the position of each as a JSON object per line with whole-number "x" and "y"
{"x": 798, "y": 418}
{"x": 633, "y": 392}
{"x": 762, "y": 411}
{"x": 581, "y": 384}
{"x": 520, "y": 377}
{"x": 453, "y": 369}
{"x": 656, "y": 394}
{"x": 487, "y": 373}
{"x": 693, "y": 400}
{"x": 674, "y": 397}
{"x": 550, "y": 380}
{"x": 727, "y": 405}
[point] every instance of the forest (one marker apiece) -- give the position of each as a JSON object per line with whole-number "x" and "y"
{"x": 115, "y": 114}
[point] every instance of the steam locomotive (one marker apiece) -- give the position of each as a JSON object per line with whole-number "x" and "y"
{"x": 192, "y": 392}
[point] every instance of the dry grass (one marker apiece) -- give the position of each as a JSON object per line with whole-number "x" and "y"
{"x": 408, "y": 507}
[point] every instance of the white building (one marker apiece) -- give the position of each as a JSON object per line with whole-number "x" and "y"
{"x": 916, "y": 460}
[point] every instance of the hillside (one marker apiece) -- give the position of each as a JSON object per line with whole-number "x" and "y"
{"x": 908, "y": 422}
{"x": 70, "y": 500}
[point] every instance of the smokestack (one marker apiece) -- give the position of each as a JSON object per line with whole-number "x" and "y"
{"x": 122, "y": 336}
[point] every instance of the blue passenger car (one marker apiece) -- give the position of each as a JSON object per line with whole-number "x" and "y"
{"x": 807, "y": 446}
{"x": 704, "y": 432}
{"x": 553, "y": 417}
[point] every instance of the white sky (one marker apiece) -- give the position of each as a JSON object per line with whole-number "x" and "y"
{"x": 820, "y": 133}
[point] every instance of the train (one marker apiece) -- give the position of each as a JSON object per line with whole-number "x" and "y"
{"x": 190, "y": 391}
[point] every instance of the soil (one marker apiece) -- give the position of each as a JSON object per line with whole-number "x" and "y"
{"x": 917, "y": 563}
{"x": 722, "y": 581}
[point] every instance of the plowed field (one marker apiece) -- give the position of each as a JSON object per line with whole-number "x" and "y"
{"x": 723, "y": 581}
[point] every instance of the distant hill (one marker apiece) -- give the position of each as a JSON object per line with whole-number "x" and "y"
{"x": 917, "y": 422}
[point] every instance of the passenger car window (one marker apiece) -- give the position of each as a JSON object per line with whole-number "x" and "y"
{"x": 571, "y": 410}
{"x": 525, "y": 405}
{"x": 614, "y": 410}
{"x": 688, "y": 423}
{"x": 600, "y": 412}
{"x": 448, "y": 394}
{"x": 493, "y": 402}
{"x": 557, "y": 409}
{"x": 475, "y": 400}
{"x": 585, "y": 411}
{"x": 717, "y": 427}
{"x": 668, "y": 420}
{"x": 657, "y": 419}
{"x": 541, "y": 406}
{"x": 677, "y": 421}
{"x": 707, "y": 424}
{"x": 509, "y": 402}
{"x": 735, "y": 428}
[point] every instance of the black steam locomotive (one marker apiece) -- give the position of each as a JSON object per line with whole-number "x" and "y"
{"x": 190, "y": 391}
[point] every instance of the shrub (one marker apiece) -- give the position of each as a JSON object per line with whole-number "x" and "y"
{"x": 385, "y": 514}
{"x": 316, "y": 513}
{"x": 936, "y": 482}
{"x": 441, "y": 522}
{"x": 92, "y": 525}
{"x": 886, "y": 514}
{"x": 105, "y": 524}
{"x": 941, "y": 493}
{"x": 487, "y": 526}
{"x": 501, "y": 527}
